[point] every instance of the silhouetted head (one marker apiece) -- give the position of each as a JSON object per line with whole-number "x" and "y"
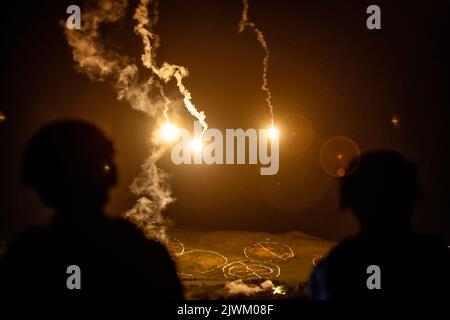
{"x": 69, "y": 164}
{"x": 382, "y": 192}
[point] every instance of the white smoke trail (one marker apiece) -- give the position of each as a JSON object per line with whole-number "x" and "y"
{"x": 243, "y": 24}
{"x": 168, "y": 71}
{"x": 100, "y": 64}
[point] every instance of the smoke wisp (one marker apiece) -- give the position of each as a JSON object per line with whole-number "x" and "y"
{"x": 243, "y": 24}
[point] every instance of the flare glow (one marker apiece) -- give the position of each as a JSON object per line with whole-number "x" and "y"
{"x": 169, "y": 132}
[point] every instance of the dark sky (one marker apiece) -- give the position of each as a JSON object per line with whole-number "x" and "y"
{"x": 329, "y": 75}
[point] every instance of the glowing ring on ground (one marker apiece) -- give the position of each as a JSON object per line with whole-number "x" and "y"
{"x": 276, "y": 256}
{"x": 178, "y": 242}
{"x": 246, "y": 270}
{"x": 317, "y": 259}
{"x": 216, "y": 267}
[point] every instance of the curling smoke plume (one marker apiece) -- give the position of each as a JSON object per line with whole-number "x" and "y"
{"x": 243, "y": 24}
{"x": 99, "y": 63}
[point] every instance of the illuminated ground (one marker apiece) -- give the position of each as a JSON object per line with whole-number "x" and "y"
{"x": 207, "y": 261}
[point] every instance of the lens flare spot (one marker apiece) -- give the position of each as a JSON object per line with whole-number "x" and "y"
{"x": 341, "y": 172}
{"x": 2, "y": 117}
{"x": 395, "y": 121}
{"x": 339, "y": 156}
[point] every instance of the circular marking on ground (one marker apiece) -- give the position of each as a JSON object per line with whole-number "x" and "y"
{"x": 317, "y": 258}
{"x": 194, "y": 262}
{"x": 175, "y": 247}
{"x": 251, "y": 269}
{"x": 269, "y": 251}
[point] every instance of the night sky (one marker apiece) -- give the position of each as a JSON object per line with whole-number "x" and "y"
{"x": 329, "y": 75}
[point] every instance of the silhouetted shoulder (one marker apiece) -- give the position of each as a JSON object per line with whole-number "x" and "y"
{"x": 27, "y": 241}
{"x": 411, "y": 267}
{"x": 157, "y": 269}
{"x": 127, "y": 234}
{"x": 430, "y": 241}
{"x": 20, "y": 267}
{"x": 115, "y": 258}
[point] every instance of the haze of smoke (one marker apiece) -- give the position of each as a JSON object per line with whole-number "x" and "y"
{"x": 240, "y": 287}
{"x": 243, "y": 24}
{"x": 155, "y": 195}
{"x": 100, "y": 64}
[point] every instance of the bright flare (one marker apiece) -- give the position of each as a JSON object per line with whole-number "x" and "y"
{"x": 273, "y": 132}
{"x": 197, "y": 145}
{"x": 169, "y": 132}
